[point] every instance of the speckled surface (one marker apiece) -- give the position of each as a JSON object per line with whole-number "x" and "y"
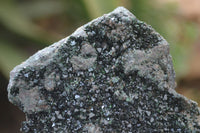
{"x": 113, "y": 74}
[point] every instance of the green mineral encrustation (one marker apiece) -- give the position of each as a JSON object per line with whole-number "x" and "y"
{"x": 114, "y": 74}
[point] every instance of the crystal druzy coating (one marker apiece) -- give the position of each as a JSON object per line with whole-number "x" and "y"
{"x": 114, "y": 74}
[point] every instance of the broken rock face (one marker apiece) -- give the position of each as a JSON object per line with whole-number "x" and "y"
{"x": 113, "y": 74}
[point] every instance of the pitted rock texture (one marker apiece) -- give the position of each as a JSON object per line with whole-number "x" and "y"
{"x": 114, "y": 74}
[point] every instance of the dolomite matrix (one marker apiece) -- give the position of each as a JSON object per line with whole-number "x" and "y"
{"x": 113, "y": 74}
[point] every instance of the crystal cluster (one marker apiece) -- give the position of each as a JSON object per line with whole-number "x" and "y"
{"x": 114, "y": 74}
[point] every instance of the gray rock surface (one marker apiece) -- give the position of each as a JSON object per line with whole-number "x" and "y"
{"x": 114, "y": 74}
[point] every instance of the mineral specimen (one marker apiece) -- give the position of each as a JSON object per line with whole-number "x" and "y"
{"x": 113, "y": 74}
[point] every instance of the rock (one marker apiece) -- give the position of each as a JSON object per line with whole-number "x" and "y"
{"x": 114, "y": 74}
